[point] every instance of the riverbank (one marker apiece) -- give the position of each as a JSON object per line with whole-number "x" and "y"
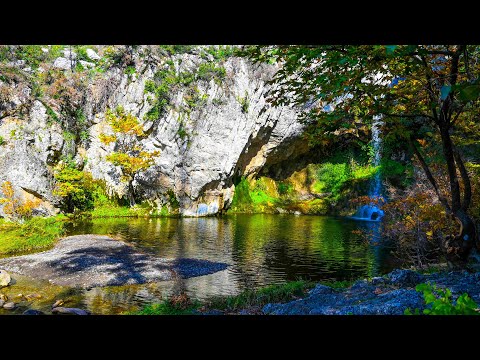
{"x": 397, "y": 293}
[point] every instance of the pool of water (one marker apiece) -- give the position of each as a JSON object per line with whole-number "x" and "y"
{"x": 261, "y": 250}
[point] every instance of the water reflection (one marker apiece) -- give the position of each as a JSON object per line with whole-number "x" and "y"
{"x": 261, "y": 250}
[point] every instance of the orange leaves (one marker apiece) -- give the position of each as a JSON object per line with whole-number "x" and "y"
{"x": 7, "y": 190}
{"x": 124, "y": 123}
{"x": 14, "y": 208}
{"x": 107, "y": 139}
{"x": 131, "y": 164}
{"x": 129, "y": 154}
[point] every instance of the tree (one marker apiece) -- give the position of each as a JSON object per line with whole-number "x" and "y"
{"x": 128, "y": 154}
{"x": 425, "y": 95}
{"x": 74, "y": 186}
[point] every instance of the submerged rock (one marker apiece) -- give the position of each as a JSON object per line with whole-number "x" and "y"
{"x": 33, "y": 312}
{"x": 4, "y": 278}
{"x": 69, "y": 311}
{"x": 2, "y": 302}
{"x": 32, "y": 296}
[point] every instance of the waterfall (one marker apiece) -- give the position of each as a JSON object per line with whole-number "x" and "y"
{"x": 372, "y": 212}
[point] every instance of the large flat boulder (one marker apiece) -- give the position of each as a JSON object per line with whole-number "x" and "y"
{"x": 97, "y": 260}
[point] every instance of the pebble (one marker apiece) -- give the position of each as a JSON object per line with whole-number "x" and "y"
{"x": 58, "y": 303}
{"x": 4, "y": 278}
{"x": 9, "y": 306}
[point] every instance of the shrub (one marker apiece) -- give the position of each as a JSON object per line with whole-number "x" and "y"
{"x": 14, "y": 208}
{"x": 74, "y": 186}
{"x": 417, "y": 225}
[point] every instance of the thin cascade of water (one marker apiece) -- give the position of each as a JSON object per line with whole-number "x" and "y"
{"x": 372, "y": 212}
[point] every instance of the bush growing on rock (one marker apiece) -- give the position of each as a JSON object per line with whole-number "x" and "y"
{"x": 14, "y": 208}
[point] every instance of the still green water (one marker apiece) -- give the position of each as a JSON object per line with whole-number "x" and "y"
{"x": 261, "y": 250}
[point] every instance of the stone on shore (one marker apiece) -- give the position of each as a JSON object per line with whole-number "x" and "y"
{"x": 4, "y": 278}
{"x": 33, "y": 312}
{"x": 9, "y": 306}
{"x": 69, "y": 311}
{"x": 390, "y": 295}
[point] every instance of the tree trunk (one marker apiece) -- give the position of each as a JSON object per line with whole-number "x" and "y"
{"x": 459, "y": 247}
{"x": 130, "y": 194}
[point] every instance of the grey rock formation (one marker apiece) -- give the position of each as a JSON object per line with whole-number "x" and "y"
{"x": 62, "y": 63}
{"x": 391, "y": 296}
{"x": 219, "y": 141}
{"x": 405, "y": 278}
{"x": 94, "y": 260}
{"x": 92, "y": 55}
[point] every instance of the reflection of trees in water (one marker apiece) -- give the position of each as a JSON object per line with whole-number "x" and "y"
{"x": 262, "y": 249}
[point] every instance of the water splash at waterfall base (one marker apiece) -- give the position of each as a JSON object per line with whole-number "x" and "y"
{"x": 368, "y": 213}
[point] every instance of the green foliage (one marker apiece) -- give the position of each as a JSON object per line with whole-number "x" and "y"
{"x": 172, "y": 199}
{"x": 176, "y": 49}
{"x": 167, "y": 81}
{"x": 256, "y": 198}
{"x": 441, "y": 302}
{"x": 131, "y": 158}
{"x": 166, "y": 308}
{"x": 248, "y": 298}
{"x": 31, "y": 54}
{"x": 221, "y": 52}
{"x": 284, "y": 188}
{"x": 74, "y": 186}
{"x": 244, "y": 102}
{"x": 130, "y": 70}
{"x": 2, "y": 141}
{"x": 209, "y": 70}
{"x": 33, "y": 235}
{"x": 340, "y": 284}
{"x": 52, "y": 116}
{"x": 270, "y": 294}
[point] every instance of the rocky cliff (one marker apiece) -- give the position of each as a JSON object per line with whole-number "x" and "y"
{"x": 205, "y": 146}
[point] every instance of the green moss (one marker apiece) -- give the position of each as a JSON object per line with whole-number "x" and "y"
{"x": 33, "y": 235}
{"x": 255, "y": 195}
{"x": 258, "y": 298}
{"x": 166, "y": 308}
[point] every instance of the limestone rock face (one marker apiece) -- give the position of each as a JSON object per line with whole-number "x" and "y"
{"x": 232, "y": 134}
